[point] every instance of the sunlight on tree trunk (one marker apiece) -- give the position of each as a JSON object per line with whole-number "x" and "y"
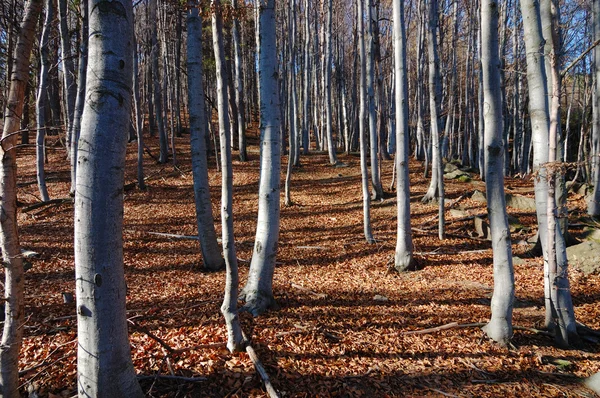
{"x": 229, "y": 307}
{"x": 104, "y": 366}
{"x": 499, "y": 328}
{"x": 404, "y": 246}
{"x": 14, "y": 280}
{"x": 258, "y": 291}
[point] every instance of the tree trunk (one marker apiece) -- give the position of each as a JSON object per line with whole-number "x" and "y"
{"x": 41, "y": 101}
{"x": 239, "y": 84}
{"x": 14, "y": 280}
{"x": 594, "y": 204}
{"x": 258, "y": 291}
{"x": 361, "y": 126}
{"x": 137, "y": 114}
{"x": 331, "y": 147}
{"x": 499, "y": 328}
{"x": 104, "y": 366}
{"x": 372, "y": 113}
{"x": 81, "y": 88}
{"x": 207, "y": 235}
{"x": 70, "y": 88}
{"x": 561, "y": 304}
{"x": 157, "y": 89}
{"x": 229, "y": 307}
{"x": 436, "y": 187}
{"x": 404, "y": 246}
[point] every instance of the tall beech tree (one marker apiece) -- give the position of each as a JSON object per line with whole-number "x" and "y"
{"x": 258, "y": 291}
{"x": 211, "y": 254}
{"x": 436, "y": 186}
{"x": 229, "y": 307}
{"x": 361, "y": 126}
{"x": 594, "y": 204}
{"x": 104, "y": 366}
{"x": 14, "y": 279}
{"x": 500, "y": 326}
{"x": 559, "y": 307}
{"x": 404, "y": 246}
{"x": 42, "y": 99}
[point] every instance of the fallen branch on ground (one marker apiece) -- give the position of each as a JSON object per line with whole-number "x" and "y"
{"x": 302, "y": 288}
{"x": 47, "y": 203}
{"x": 151, "y": 335}
{"x": 260, "y": 369}
{"x": 177, "y": 378}
{"x": 456, "y": 325}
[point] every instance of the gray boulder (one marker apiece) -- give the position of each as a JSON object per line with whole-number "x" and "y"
{"x": 585, "y": 257}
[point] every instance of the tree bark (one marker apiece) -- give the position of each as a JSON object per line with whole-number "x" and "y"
{"x": 41, "y": 101}
{"x": 14, "y": 280}
{"x": 211, "y": 254}
{"x": 229, "y": 307}
{"x": 81, "y": 88}
{"x": 258, "y": 291}
{"x": 436, "y": 187}
{"x": 104, "y": 366}
{"x": 499, "y": 328}
{"x": 594, "y": 204}
{"x": 404, "y": 246}
{"x": 239, "y": 84}
{"x": 361, "y": 126}
{"x": 331, "y": 147}
{"x": 70, "y": 83}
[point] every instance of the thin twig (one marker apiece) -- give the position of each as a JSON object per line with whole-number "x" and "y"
{"x": 151, "y": 335}
{"x": 260, "y": 369}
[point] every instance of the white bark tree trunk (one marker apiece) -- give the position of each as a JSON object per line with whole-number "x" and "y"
{"x": 211, "y": 254}
{"x": 137, "y": 114}
{"x": 229, "y": 307}
{"x": 563, "y": 315}
{"x": 331, "y": 147}
{"x": 70, "y": 89}
{"x": 80, "y": 100}
{"x": 404, "y": 246}
{"x": 258, "y": 291}
{"x": 499, "y": 328}
{"x": 14, "y": 280}
{"x": 372, "y": 112}
{"x": 436, "y": 186}
{"x": 40, "y": 104}
{"x": 157, "y": 88}
{"x": 104, "y": 366}
{"x": 239, "y": 84}
{"x": 594, "y": 204}
{"x": 361, "y": 126}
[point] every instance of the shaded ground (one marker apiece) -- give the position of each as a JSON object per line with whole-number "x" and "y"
{"x": 333, "y": 339}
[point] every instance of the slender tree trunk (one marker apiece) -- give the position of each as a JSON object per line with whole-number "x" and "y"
{"x": 307, "y": 76}
{"x": 292, "y": 106}
{"x": 41, "y": 101}
{"x": 594, "y": 204}
{"x": 258, "y": 291}
{"x": 211, "y": 254}
{"x": 229, "y": 307}
{"x": 239, "y": 85}
{"x": 404, "y": 246}
{"x": 157, "y": 89}
{"x": 361, "y": 126}
{"x": 137, "y": 111}
{"x": 81, "y": 88}
{"x": 373, "y": 136}
{"x": 104, "y": 366}
{"x": 14, "y": 280}
{"x": 499, "y": 328}
{"x": 70, "y": 88}
{"x": 561, "y": 304}
{"x": 331, "y": 147}
{"x": 436, "y": 187}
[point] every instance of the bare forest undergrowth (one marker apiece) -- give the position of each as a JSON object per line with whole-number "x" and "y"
{"x": 331, "y": 335}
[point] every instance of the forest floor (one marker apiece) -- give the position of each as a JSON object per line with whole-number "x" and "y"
{"x": 331, "y": 335}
